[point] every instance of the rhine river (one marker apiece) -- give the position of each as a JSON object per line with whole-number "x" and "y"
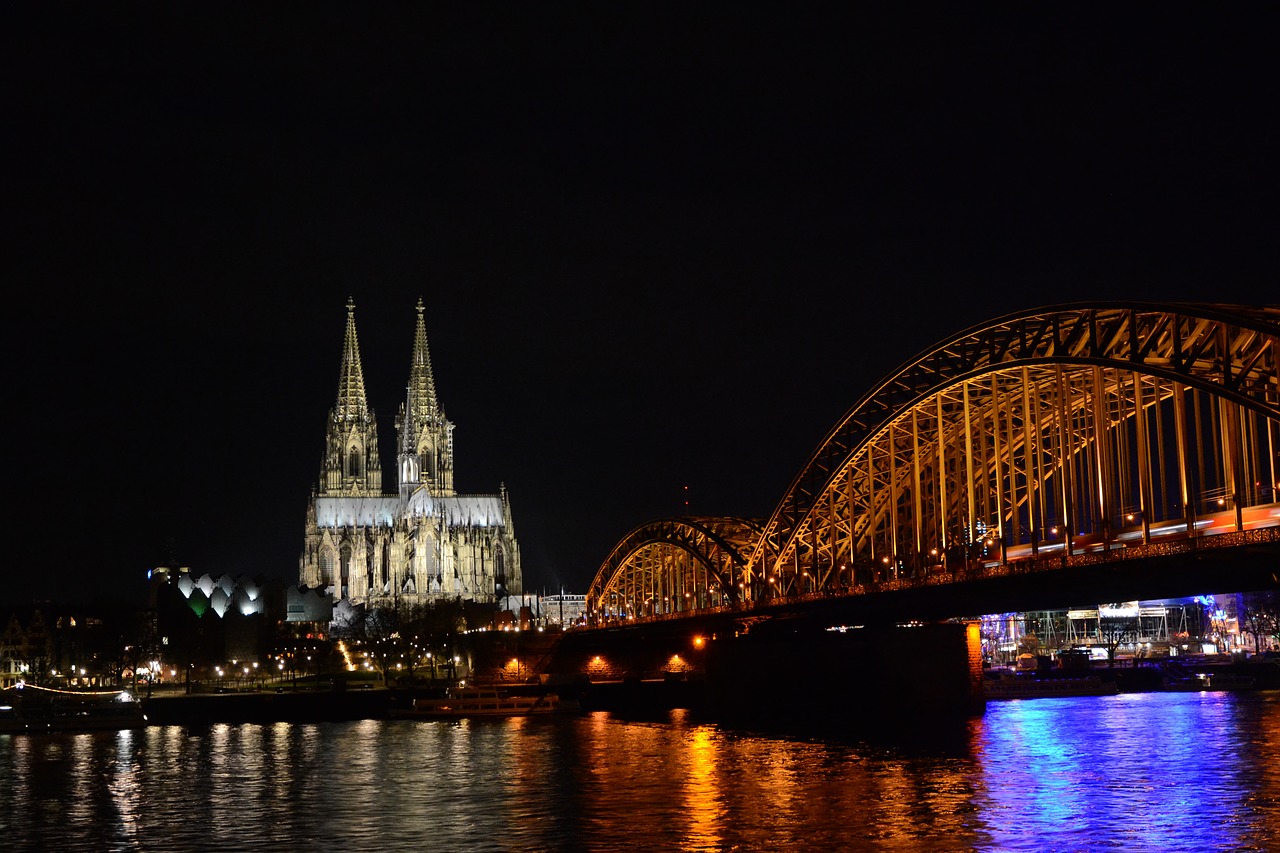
{"x": 1134, "y": 772}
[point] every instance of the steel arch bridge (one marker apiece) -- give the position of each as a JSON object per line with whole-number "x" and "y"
{"x": 1046, "y": 437}
{"x": 675, "y": 565}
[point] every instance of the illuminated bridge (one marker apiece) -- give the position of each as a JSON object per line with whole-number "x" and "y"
{"x": 1063, "y": 452}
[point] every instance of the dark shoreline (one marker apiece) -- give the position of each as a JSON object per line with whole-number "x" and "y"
{"x": 624, "y": 696}
{"x": 268, "y": 707}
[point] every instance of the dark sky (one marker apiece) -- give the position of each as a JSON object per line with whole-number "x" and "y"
{"x": 661, "y": 245}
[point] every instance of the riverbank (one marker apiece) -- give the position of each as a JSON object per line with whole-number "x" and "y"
{"x": 268, "y": 707}
{"x": 1162, "y": 676}
{"x": 376, "y": 703}
{"x": 625, "y": 696}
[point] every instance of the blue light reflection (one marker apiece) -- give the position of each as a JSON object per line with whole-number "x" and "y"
{"x": 1077, "y": 773}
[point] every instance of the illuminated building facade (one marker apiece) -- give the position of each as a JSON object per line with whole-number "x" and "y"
{"x": 421, "y": 542}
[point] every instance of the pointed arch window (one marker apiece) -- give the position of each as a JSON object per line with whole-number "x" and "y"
{"x": 353, "y": 462}
{"x": 432, "y": 559}
{"x": 326, "y": 567}
{"x": 346, "y": 565}
{"x": 427, "y": 457}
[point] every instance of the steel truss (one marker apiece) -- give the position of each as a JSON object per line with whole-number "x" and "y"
{"x": 671, "y": 566}
{"x": 1055, "y": 430}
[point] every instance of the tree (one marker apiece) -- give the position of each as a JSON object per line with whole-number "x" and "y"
{"x": 140, "y": 644}
{"x": 395, "y": 638}
{"x": 401, "y": 639}
{"x": 440, "y": 626}
{"x": 1259, "y": 617}
{"x": 376, "y": 631}
{"x": 192, "y": 636}
{"x": 1114, "y": 632}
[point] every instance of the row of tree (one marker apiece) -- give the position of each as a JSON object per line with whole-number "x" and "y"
{"x": 408, "y": 640}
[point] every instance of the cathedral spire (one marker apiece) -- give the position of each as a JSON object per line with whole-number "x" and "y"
{"x": 426, "y": 436}
{"x": 422, "y": 402}
{"x": 352, "y": 403}
{"x": 351, "y": 465}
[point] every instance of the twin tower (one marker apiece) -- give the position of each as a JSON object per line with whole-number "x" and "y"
{"x": 421, "y": 542}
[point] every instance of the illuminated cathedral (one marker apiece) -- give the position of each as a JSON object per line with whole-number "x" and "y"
{"x": 420, "y": 542}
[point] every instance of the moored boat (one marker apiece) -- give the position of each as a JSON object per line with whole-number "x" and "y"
{"x": 30, "y": 709}
{"x": 1018, "y": 687}
{"x": 487, "y": 702}
{"x": 1209, "y": 682}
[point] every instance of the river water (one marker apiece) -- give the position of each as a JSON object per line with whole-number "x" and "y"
{"x": 1134, "y": 772}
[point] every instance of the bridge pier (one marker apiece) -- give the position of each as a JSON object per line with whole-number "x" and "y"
{"x": 891, "y": 674}
{"x": 779, "y": 671}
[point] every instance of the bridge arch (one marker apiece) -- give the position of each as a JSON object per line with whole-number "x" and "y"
{"x": 1057, "y": 430}
{"x": 673, "y": 565}
{"x": 1033, "y": 430}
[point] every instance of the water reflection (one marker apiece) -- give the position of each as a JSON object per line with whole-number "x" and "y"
{"x": 1142, "y": 772}
{"x": 77, "y": 768}
{"x": 1139, "y": 771}
{"x": 126, "y": 788}
{"x": 702, "y": 792}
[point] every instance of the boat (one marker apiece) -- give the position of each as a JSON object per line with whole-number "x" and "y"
{"x": 29, "y": 709}
{"x": 487, "y": 702}
{"x": 1208, "y": 682}
{"x": 1016, "y": 687}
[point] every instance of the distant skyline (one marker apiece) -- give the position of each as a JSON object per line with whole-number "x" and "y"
{"x": 658, "y": 250}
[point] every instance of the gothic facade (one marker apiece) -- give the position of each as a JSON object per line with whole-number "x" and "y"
{"x": 421, "y": 542}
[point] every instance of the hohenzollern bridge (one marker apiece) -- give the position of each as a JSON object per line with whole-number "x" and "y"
{"x": 1086, "y": 441}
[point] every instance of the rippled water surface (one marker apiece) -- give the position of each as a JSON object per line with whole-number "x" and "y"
{"x": 1137, "y": 772}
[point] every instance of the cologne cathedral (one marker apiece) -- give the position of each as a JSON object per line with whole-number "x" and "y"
{"x": 420, "y": 542}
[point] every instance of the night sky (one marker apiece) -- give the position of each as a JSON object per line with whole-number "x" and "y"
{"x": 663, "y": 247}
